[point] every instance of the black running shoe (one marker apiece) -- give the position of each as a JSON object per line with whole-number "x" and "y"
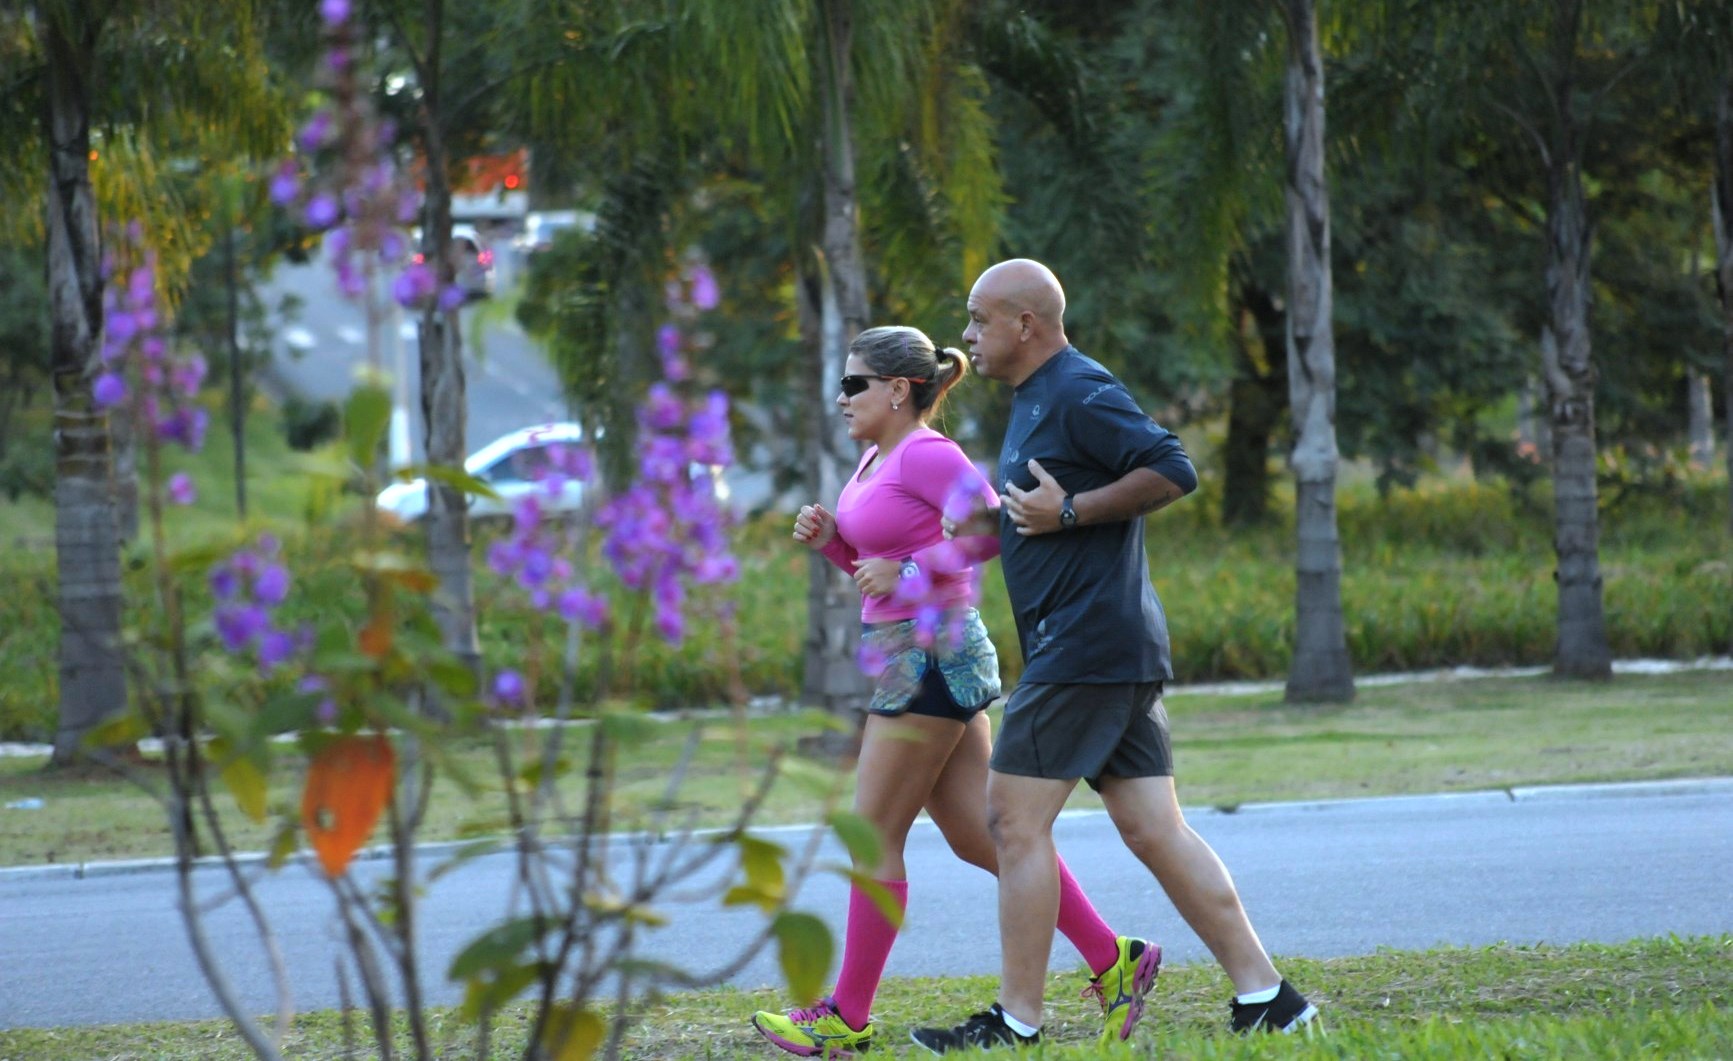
{"x": 1287, "y": 1012}
{"x": 985, "y": 1029}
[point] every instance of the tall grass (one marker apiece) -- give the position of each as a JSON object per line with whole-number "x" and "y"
{"x": 1451, "y": 573}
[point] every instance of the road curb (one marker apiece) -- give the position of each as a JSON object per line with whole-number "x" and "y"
{"x": 1685, "y": 786}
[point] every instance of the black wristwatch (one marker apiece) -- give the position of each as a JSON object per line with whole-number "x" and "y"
{"x": 1067, "y": 514}
{"x": 910, "y": 569}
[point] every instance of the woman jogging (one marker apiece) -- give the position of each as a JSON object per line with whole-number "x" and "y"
{"x": 926, "y": 742}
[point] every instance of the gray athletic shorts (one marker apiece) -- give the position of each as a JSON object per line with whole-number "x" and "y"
{"x": 1068, "y": 732}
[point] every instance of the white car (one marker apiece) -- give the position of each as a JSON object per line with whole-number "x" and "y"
{"x": 509, "y": 465}
{"x": 471, "y": 261}
{"x": 541, "y": 227}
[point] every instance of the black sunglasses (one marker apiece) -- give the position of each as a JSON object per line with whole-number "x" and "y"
{"x": 853, "y": 385}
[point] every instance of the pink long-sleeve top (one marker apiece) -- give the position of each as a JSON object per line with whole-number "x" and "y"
{"x": 895, "y": 513}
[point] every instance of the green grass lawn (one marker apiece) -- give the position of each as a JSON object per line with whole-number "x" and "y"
{"x": 1668, "y": 998}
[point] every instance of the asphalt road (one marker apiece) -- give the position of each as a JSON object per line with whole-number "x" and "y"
{"x": 1553, "y": 865}
{"x": 318, "y": 350}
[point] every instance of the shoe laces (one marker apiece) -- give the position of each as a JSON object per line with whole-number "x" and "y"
{"x": 826, "y": 1008}
{"x": 984, "y": 1028}
{"x": 1094, "y": 990}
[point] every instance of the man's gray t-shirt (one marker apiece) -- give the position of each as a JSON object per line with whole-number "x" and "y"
{"x": 1086, "y": 612}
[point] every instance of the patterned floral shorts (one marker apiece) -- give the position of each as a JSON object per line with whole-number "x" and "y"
{"x": 961, "y": 650}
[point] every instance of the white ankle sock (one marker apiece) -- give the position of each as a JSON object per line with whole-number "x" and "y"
{"x": 1016, "y": 1025}
{"x": 1268, "y": 994}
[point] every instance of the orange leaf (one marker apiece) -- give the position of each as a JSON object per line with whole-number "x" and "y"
{"x": 348, "y": 783}
{"x": 376, "y": 637}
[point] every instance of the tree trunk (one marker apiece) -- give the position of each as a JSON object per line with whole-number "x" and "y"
{"x": 1254, "y": 409}
{"x": 1321, "y": 671}
{"x": 444, "y": 404}
{"x": 832, "y": 676}
{"x": 1569, "y": 370}
{"x": 86, "y": 542}
{"x": 1699, "y": 418}
{"x": 1722, "y": 213}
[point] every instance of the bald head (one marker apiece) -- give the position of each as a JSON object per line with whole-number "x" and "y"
{"x": 1022, "y": 284}
{"x": 1016, "y": 320}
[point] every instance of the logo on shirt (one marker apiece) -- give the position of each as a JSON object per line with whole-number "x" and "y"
{"x": 1035, "y": 410}
{"x": 1096, "y": 393}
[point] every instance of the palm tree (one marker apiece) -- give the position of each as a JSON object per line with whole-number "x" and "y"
{"x": 86, "y": 83}
{"x": 1217, "y": 194}
{"x": 781, "y": 91}
{"x": 1320, "y": 670}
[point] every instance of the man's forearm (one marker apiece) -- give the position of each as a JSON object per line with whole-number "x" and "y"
{"x": 1139, "y": 492}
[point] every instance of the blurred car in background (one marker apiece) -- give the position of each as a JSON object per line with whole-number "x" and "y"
{"x": 512, "y": 465}
{"x": 471, "y": 261}
{"x": 541, "y": 226}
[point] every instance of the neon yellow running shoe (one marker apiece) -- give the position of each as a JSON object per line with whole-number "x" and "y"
{"x": 819, "y": 1031}
{"x": 1121, "y": 989}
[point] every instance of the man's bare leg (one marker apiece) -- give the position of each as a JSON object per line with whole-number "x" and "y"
{"x": 1146, "y": 812}
{"x": 1020, "y": 815}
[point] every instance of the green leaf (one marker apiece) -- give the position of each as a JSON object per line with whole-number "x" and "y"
{"x": 761, "y": 861}
{"x": 497, "y": 948}
{"x": 458, "y": 479}
{"x": 486, "y": 994}
{"x": 573, "y": 1034}
{"x": 880, "y": 895}
{"x": 243, "y": 777}
{"x": 632, "y": 912}
{"x": 283, "y": 847}
{"x": 803, "y": 946}
{"x": 858, "y": 835}
{"x": 453, "y": 677}
{"x": 365, "y": 419}
{"x": 125, "y": 728}
{"x": 286, "y": 712}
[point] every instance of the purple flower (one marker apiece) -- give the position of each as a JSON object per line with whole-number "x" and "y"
{"x": 508, "y": 687}
{"x": 321, "y": 211}
{"x": 871, "y": 659}
{"x": 271, "y": 585}
{"x": 275, "y": 646}
{"x": 238, "y": 625}
{"x": 705, "y": 293}
{"x": 668, "y": 341}
{"x": 186, "y": 426}
{"x": 662, "y": 411}
{"x": 414, "y": 285}
{"x": 109, "y": 390}
{"x": 181, "y": 490}
{"x": 225, "y": 583}
{"x": 285, "y": 184}
{"x": 315, "y": 133}
{"x": 579, "y": 606}
{"x": 121, "y": 327}
{"x": 451, "y": 298}
{"x": 187, "y": 374}
{"x": 334, "y": 12}
{"x": 927, "y": 622}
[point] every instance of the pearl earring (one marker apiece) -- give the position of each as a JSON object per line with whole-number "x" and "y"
{"x": 896, "y": 405}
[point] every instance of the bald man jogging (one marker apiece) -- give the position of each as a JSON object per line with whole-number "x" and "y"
{"x": 1080, "y": 467}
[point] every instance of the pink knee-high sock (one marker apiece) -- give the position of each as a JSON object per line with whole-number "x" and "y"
{"x": 1083, "y": 926}
{"x": 865, "y": 950}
